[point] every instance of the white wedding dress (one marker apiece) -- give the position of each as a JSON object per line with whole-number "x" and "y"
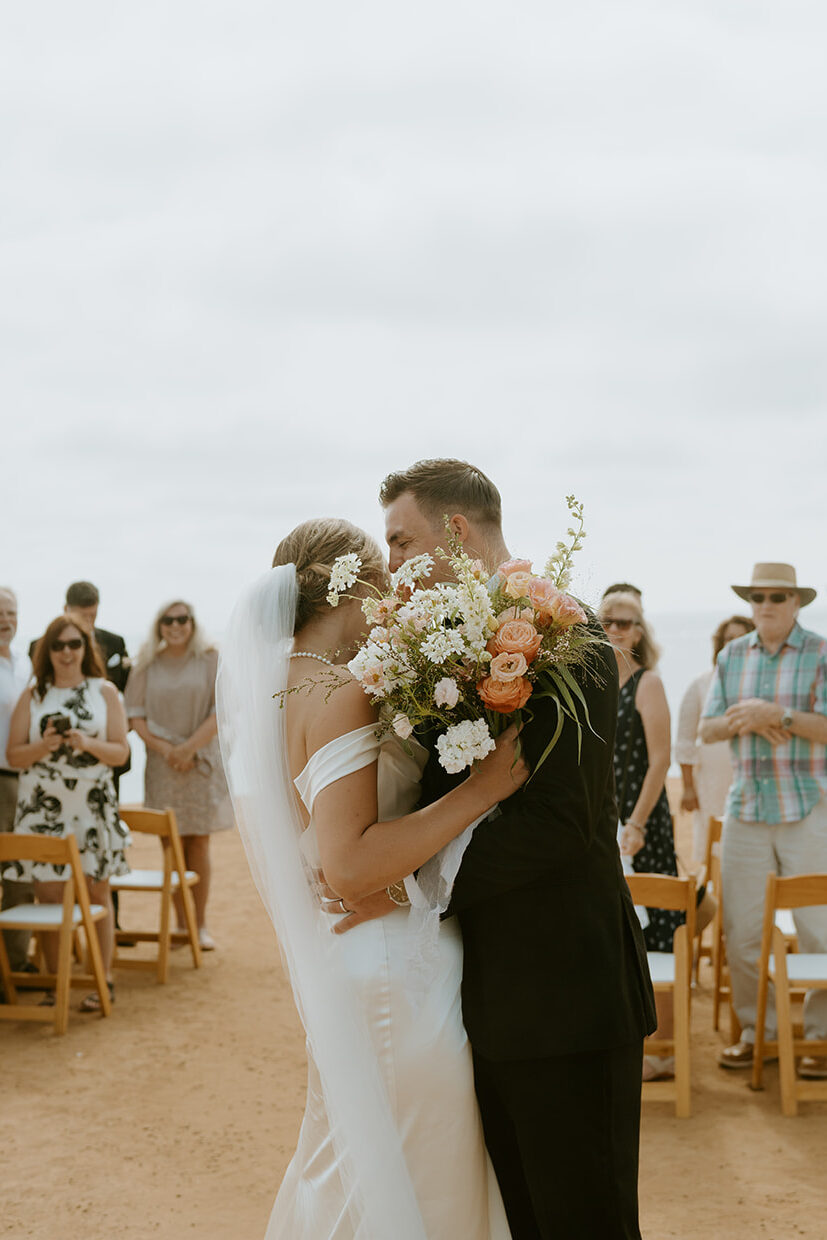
{"x": 421, "y": 1048}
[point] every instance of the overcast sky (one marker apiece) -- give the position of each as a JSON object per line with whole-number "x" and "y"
{"x": 254, "y": 256}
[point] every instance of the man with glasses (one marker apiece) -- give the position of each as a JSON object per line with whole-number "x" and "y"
{"x": 768, "y": 697}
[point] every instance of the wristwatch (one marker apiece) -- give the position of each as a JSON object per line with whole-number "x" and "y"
{"x": 787, "y": 719}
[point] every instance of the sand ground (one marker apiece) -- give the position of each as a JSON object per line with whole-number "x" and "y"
{"x": 177, "y": 1116}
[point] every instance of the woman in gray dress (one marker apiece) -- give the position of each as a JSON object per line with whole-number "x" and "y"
{"x": 170, "y": 701}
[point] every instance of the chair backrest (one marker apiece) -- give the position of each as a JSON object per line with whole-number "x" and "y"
{"x": 797, "y": 891}
{"x": 163, "y": 824}
{"x": 149, "y": 821}
{"x": 49, "y": 849}
{"x": 666, "y": 892}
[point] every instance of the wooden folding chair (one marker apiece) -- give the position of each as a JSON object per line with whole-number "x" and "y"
{"x": 671, "y": 973}
{"x": 173, "y": 878}
{"x": 65, "y": 918}
{"x": 791, "y": 973}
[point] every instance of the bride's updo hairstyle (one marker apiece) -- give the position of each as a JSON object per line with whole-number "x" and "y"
{"x": 313, "y": 546}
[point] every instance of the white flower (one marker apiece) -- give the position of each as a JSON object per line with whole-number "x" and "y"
{"x": 414, "y": 615}
{"x": 402, "y": 725}
{"x": 368, "y": 669}
{"x": 413, "y": 570}
{"x": 463, "y": 744}
{"x": 343, "y": 574}
{"x": 442, "y": 644}
{"x": 446, "y": 692}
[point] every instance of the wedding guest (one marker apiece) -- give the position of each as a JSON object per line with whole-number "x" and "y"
{"x": 67, "y": 733}
{"x": 641, "y": 762}
{"x": 623, "y": 587}
{"x": 82, "y": 602}
{"x": 170, "y": 700}
{"x": 15, "y": 674}
{"x": 769, "y": 699}
{"x": 706, "y": 770}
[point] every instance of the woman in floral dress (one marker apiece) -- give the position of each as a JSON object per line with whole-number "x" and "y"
{"x": 67, "y": 733}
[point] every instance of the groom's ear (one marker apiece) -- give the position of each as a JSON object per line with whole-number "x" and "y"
{"x": 459, "y": 527}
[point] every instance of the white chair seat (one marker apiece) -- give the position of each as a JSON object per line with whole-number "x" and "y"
{"x": 803, "y": 967}
{"x": 784, "y": 921}
{"x": 42, "y": 916}
{"x": 661, "y": 967}
{"x": 145, "y": 880}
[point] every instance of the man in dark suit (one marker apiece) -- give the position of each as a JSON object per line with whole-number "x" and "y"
{"x": 82, "y": 601}
{"x": 556, "y": 991}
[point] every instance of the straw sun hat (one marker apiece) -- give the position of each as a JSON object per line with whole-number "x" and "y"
{"x": 775, "y": 577}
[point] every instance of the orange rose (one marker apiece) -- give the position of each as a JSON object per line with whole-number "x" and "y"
{"x": 515, "y": 613}
{"x": 504, "y": 696}
{"x": 542, "y": 594}
{"x": 516, "y": 585}
{"x": 508, "y": 666}
{"x": 566, "y": 611}
{"x": 514, "y": 566}
{"x": 517, "y": 637}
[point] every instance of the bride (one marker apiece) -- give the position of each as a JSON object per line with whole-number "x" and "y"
{"x": 391, "y": 1143}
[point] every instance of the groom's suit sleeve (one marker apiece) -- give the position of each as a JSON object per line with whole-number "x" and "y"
{"x": 546, "y": 830}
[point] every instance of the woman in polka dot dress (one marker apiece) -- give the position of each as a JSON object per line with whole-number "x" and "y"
{"x": 642, "y": 755}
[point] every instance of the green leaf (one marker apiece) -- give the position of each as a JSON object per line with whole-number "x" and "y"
{"x": 554, "y": 739}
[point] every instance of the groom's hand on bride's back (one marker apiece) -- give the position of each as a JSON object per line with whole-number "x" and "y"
{"x": 377, "y": 905}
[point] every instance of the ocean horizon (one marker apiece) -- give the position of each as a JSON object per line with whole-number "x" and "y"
{"x": 685, "y": 639}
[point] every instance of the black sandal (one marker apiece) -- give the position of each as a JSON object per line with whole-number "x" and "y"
{"x": 92, "y": 1001}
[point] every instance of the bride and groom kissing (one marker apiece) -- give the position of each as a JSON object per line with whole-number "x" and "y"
{"x": 502, "y": 1098}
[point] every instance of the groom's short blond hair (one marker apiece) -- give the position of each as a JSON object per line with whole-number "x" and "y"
{"x": 443, "y": 487}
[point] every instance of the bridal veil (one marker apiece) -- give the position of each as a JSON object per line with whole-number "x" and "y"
{"x": 253, "y": 668}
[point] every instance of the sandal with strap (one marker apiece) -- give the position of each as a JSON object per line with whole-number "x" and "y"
{"x": 92, "y": 1002}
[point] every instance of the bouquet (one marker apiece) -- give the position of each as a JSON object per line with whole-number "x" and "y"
{"x": 472, "y": 655}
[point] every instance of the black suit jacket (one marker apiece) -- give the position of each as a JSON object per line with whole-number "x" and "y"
{"x": 555, "y": 961}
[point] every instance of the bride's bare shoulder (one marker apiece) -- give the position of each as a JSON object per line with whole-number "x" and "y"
{"x": 335, "y": 705}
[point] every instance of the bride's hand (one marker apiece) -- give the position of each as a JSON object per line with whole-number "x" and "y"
{"x": 504, "y": 769}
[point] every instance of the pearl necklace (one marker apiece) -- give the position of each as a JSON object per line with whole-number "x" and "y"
{"x": 308, "y": 654}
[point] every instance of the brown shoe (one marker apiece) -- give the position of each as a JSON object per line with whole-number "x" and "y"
{"x": 737, "y": 1056}
{"x": 813, "y": 1068}
{"x": 740, "y": 1056}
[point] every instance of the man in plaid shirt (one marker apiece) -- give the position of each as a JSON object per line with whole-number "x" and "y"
{"x": 768, "y": 697}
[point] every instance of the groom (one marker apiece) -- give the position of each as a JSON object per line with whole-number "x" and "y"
{"x": 556, "y": 993}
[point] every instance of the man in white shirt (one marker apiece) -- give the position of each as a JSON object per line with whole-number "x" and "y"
{"x": 15, "y": 673}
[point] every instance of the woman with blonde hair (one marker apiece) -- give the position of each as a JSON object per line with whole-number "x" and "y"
{"x": 170, "y": 701}
{"x": 391, "y": 1143}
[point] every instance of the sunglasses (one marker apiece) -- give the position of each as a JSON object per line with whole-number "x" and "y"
{"x": 182, "y": 620}
{"x": 72, "y": 643}
{"x": 777, "y": 596}
{"x": 611, "y": 622}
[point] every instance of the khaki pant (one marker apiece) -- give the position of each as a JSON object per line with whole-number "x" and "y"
{"x": 17, "y": 941}
{"x": 751, "y": 850}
